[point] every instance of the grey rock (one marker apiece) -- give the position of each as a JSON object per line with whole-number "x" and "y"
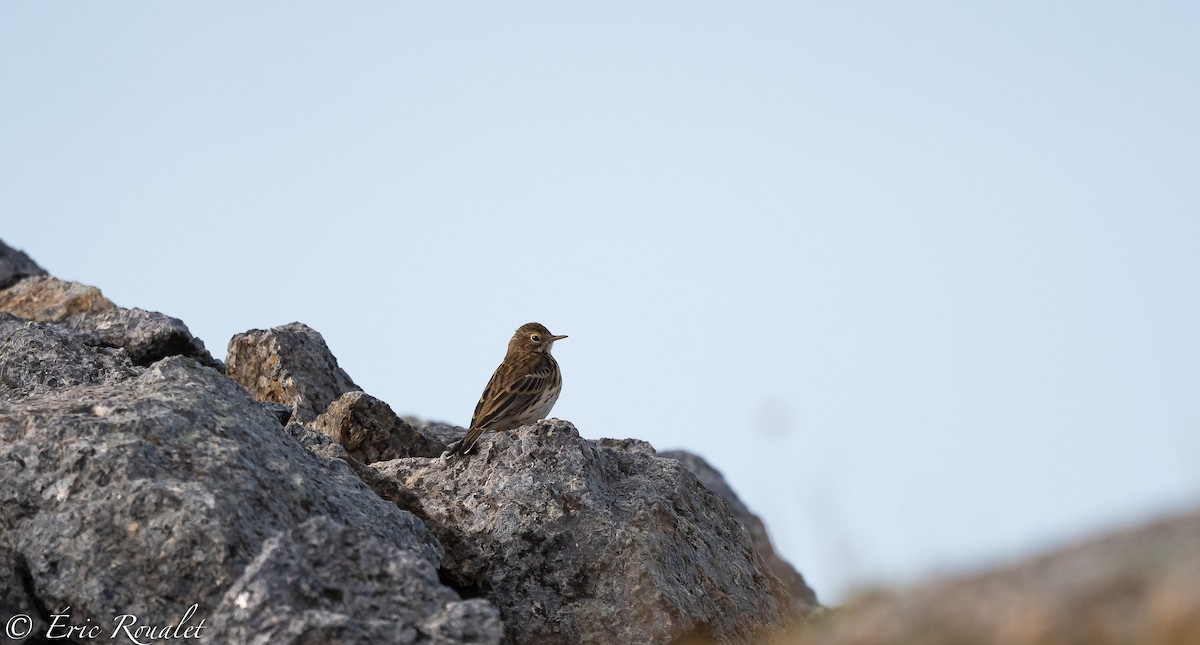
{"x": 289, "y": 364}
{"x": 15, "y": 265}
{"x": 278, "y": 410}
{"x": 10, "y": 323}
{"x": 370, "y": 431}
{"x": 806, "y": 598}
{"x": 147, "y": 493}
{"x": 36, "y": 358}
{"x": 146, "y": 335}
{"x": 324, "y": 582}
{"x": 443, "y": 433}
{"x": 579, "y": 543}
{"x": 328, "y": 450}
{"x": 15, "y": 599}
{"x": 628, "y": 445}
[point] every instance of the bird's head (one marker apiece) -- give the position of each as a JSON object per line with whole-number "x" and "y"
{"x": 532, "y": 337}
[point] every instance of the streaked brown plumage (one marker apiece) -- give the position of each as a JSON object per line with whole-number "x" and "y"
{"x": 522, "y": 390}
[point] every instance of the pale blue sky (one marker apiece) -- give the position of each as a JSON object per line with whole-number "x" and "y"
{"x": 920, "y": 278}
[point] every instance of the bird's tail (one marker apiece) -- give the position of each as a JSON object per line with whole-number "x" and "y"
{"x": 468, "y": 441}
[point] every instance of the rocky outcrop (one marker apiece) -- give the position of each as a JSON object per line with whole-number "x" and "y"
{"x": 1137, "y": 587}
{"x": 140, "y": 476}
{"x": 712, "y": 478}
{"x": 577, "y": 542}
{"x": 290, "y": 364}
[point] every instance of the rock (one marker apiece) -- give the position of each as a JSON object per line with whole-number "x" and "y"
{"x": 10, "y": 323}
{"x": 146, "y": 335}
{"x": 36, "y": 359}
{"x": 1136, "y": 586}
{"x": 327, "y": 449}
{"x": 48, "y": 299}
{"x": 289, "y": 364}
{"x": 579, "y": 543}
{"x": 15, "y": 265}
{"x": 443, "y": 433}
{"x": 630, "y": 445}
{"x": 324, "y": 582}
{"x": 15, "y": 597}
{"x": 146, "y": 491}
{"x": 712, "y": 478}
{"x": 371, "y": 432}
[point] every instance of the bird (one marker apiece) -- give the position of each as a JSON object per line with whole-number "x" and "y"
{"x": 523, "y": 388}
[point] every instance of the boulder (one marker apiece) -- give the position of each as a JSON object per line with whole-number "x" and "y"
{"x": 576, "y": 542}
{"x": 290, "y": 364}
{"x": 370, "y": 431}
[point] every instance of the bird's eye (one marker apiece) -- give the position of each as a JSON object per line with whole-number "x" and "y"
{"x": 535, "y": 338}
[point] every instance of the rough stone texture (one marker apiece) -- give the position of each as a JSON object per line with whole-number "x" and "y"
{"x": 149, "y": 493}
{"x": 146, "y": 335}
{"x": 323, "y": 582}
{"x": 327, "y": 449}
{"x": 370, "y": 431}
{"x": 15, "y": 265}
{"x": 1137, "y": 587}
{"x": 579, "y": 543}
{"x": 48, "y": 299}
{"x": 712, "y": 478}
{"x": 14, "y": 595}
{"x": 289, "y": 364}
{"x": 36, "y": 358}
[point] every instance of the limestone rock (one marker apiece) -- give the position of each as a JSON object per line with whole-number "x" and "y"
{"x": 371, "y": 432}
{"x": 579, "y": 543}
{"x": 711, "y": 477}
{"x": 324, "y": 582}
{"x": 289, "y": 364}
{"x": 146, "y": 491}
{"x": 15, "y": 265}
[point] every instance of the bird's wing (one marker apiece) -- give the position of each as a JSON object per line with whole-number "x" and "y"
{"x": 510, "y": 392}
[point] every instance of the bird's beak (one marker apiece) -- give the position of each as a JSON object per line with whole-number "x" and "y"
{"x": 554, "y": 338}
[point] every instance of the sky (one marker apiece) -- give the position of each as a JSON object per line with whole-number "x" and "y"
{"x": 919, "y": 278}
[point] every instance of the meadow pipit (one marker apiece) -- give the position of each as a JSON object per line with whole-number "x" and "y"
{"x": 522, "y": 390}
